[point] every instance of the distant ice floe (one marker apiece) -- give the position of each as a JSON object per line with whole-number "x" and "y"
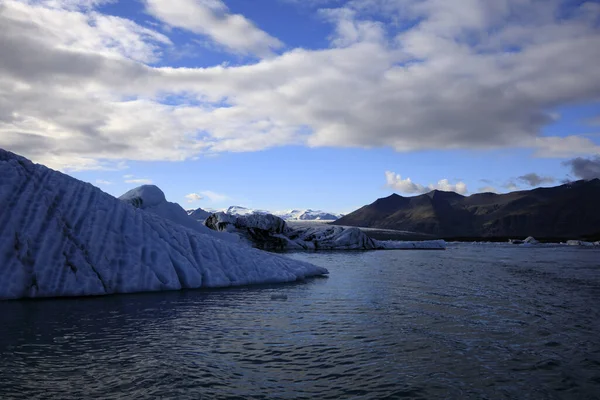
{"x": 63, "y": 237}
{"x": 268, "y": 231}
{"x": 582, "y": 243}
{"x": 531, "y": 241}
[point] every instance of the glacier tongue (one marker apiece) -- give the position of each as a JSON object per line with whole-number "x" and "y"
{"x": 63, "y": 237}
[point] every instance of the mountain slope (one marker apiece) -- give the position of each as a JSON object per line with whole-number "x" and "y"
{"x": 198, "y": 214}
{"x": 568, "y": 210}
{"x": 63, "y": 237}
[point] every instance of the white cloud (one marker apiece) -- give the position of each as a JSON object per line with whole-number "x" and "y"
{"x": 193, "y": 197}
{"x": 139, "y": 181}
{"x": 396, "y": 182}
{"x": 563, "y": 147}
{"x": 103, "y": 182}
{"x": 445, "y": 185}
{"x": 214, "y": 197}
{"x": 77, "y": 92}
{"x": 212, "y": 18}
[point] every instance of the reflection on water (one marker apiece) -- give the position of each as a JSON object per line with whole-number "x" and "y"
{"x": 470, "y": 322}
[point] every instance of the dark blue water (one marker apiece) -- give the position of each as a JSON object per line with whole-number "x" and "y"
{"x": 470, "y": 322}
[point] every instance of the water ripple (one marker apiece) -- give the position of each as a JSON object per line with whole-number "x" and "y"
{"x": 470, "y": 322}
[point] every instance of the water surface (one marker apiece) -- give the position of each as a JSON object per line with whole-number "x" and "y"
{"x": 474, "y": 321}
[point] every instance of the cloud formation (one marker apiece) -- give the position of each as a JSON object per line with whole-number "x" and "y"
{"x": 395, "y": 181}
{"x": 139, "y": 181}
{"x": 193, "y": 197}
{"x": 103, "y": 182}
{"x": 213, "y": 19}
{"x": 214, "y": 196}
{"x": 80, "y": 89}
{"x": 533, "y": 179}
{"x": 585, "y": 168}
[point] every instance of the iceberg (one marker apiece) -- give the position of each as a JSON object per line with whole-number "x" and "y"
{"x": 63, "y": 237}
{"x": 412, "y": 245}
{"x": 530, "y": 240}
{"x": 582, "y": 243}
{"x": 267, "y": 231}
{"x": 150, "y": 198}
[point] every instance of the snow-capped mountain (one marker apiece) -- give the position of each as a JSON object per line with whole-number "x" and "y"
{"x": 63, "y": 237}
{"x": 198, "y": 214}
{"x": 307, "y": 215}
{"x": 288, "y": 215}
{"x": 239, "y": 210}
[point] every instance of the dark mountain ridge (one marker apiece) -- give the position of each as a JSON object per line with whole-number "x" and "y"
{"x": 571, "y": 210}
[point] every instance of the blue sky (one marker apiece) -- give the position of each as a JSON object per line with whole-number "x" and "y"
{"x": 279, "y": 104}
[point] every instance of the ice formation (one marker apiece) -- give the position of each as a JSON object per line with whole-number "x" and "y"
{"x": 150, "y": 198}
{"x": 63, "y": 237}
{"x": 271, "y": 232}
{"x": 582, "y": 243}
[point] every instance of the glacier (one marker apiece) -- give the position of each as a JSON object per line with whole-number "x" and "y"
{"x": 267, "y": 231}
{"x": 63, "y": 237}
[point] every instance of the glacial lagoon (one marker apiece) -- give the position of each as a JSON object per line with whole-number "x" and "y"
{"x": 474, "y": 321}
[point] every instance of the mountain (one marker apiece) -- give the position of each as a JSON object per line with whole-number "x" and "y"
{"x": 63, "y": 237}
{"x": 307, "y": 215}
{"x": 288, "y": 215}
{"x": 239, "y": 210}
{"x": 567, "y": 211}
{"x": 198, "y": 214}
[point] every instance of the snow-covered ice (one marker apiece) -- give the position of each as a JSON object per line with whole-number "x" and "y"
{"x": 63, "y": 237}
{"x": 150, "y": 198}
{"x": 412, "y": 245}
{"x": 582, "y": 243}
{"x": 270, "y": 231}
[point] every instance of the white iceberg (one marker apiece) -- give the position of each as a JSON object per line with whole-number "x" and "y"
{"x": 268, "y": 231}
{"x": 150, "y": 198}
{"x": 530, "y": 240}
{"x": 581, "y": 243}
{"x": 62, "y": 237}
{"x": 329, "y": 237}
{"x": 412, "y": 245}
